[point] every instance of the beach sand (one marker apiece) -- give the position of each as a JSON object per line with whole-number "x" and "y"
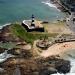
{"x": 58, "y": 49}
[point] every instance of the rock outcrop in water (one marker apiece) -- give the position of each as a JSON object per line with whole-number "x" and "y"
{"x": 24, "y": 59}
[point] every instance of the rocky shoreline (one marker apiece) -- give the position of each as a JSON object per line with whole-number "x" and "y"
{"x": 60, "y": 6}
{"x": 24, "y": 59}
{"x": 38, "y": 66}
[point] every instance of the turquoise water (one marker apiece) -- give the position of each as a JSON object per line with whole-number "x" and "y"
{"x": 17, "y": 10}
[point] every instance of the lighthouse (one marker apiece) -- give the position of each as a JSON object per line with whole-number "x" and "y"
{"x": 33, "y": 25}
{"x": 33, "y": 21}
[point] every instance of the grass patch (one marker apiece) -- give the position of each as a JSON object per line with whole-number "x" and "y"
{"x": 29, "y": 37}
{"x": 7, "y": 45}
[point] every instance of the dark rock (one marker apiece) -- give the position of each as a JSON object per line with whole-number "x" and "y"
{"x": 33, "y": 67}
{"x": 21, "y": 53}
{"x": 45, "y": 22}
{"x": 63, "y": 66}
{"x": 2, "y": 50}
{"x": 48, "y": 71}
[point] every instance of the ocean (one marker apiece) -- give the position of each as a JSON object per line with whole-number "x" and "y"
{"x": 18, "y": 10}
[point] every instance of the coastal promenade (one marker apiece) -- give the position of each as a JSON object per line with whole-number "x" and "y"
{"x": 45, "y": 44}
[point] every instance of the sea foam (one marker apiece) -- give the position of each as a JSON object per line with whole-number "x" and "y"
{"x": 50, "y": 4}
{"x": 4, "y": 25}
{"x": 64, "y": 74}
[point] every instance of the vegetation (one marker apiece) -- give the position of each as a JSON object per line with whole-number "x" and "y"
{"x": 7, "y": 45}
{"x": 29, "y": 37}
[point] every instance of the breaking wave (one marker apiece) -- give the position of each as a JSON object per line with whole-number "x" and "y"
{"x": 4, "y": 25}
{"x": 50, "y": 4}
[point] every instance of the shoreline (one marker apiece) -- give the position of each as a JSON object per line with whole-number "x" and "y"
{"x": 60, "y": 6}
{"x": 50, "y": 4}
{"x": 7, "y": 24}
{"x": 53, "y": 21}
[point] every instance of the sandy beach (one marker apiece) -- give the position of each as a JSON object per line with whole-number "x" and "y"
{"x": 58, "y": 49}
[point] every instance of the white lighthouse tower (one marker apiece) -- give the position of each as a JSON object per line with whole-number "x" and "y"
{"x": 33, "y": 21}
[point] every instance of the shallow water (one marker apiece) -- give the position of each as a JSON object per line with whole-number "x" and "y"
{"x": 17, "y": 10}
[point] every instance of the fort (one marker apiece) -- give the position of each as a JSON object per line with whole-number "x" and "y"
{"x": 32, "y": 25}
